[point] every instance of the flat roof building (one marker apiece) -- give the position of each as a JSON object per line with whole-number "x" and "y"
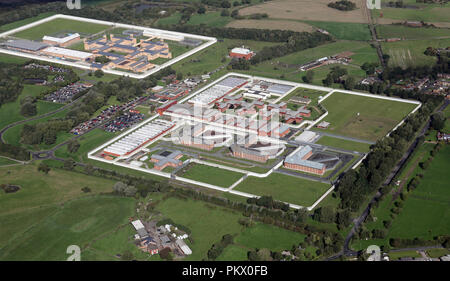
{"x": 25, "y": 45}
{"x": 299, "y": 161}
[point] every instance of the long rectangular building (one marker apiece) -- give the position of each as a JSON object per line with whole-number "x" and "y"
{"x": 299, "y": 161}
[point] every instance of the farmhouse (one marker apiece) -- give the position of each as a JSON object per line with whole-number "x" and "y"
{"x": 241, "y": 53}
{"x": 299, "y": 161}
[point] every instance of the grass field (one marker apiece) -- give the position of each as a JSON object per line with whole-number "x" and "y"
{"x": 430, "y": 13}
{"x": 284, "y": 188}
{"x": 40, "y": 196}
{"x": 344, "y": 30}
{"x": 399, "y": 31}
{"x": 272, "y": 24}
{"x": 10, "y": 112}
{"x": 5, "y": 161}
{"x": 344, "y": 144}
{"x": 376, "y": 116}
{"x": 234, "y": 253}
{"x": 425, "y": 213}
{"x": 212, "y": 19}
{"x": 411, "y": 53}
{"x": 305, "y": 10}
{"x": 20, "y": 23}
{"x": 57, "y": 26}
{"x": 211, "y": 175}
{"x": 208, "y": 223}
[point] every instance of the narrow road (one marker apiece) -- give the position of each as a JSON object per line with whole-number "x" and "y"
{"x": 358, "y": 221}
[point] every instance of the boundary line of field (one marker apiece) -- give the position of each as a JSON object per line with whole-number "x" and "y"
{"x": 210, "y": 41}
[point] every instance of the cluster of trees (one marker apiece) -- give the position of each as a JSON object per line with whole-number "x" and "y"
{"x": 10, "y": 88}
{"x": 28, "y": 106}
{"x": 369, "y": 68}
{"x": 240, "y": 64}
{"x": 102, "y": 59}
{"x": 396, "y": 4}
{"x": 15, "y": 152}
{"x": 342, "y": 5}
{"x": 337, "y": 75}
{"x": 123, "y": 189}
{"x": 45, "y": 132}
{"x": 217, "y": 248}
{"x": 309, "y": 77}
{"x": 355, "y": 185}
{"x": 269, "y": 203}
{"x": 217, "y": 3}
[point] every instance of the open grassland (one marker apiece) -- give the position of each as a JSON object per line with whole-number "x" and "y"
{"x": 399, "y": 31}
{"x": 284, "y": 188}
{"x": 78, "y": 222}
{"x": 376, "y": 116}
{"x": 207, "y": 222}
{"x": 425, "y": 213}
{"x": 411, "y": 53}
{"x": 447, "y": 123}
{"x": 57, "y": 26}
{"x": 6, "y": 161}
{"x": 212, "y": 19}
{"x": 363, "y": 52}
{"x": 234, "y": 253}
{"x": 344, "y": 144}
{"x": 10, "y": 112}
{"x": 272, "y": 24}
{"x": 39, "y": 196}
{"x": 211, "y": 175}
{"x": 314, "y": 10}
{"x": 430, "y": 13}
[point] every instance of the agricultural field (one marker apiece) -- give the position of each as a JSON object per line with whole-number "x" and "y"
{"x": 284, "y": 188}
{"x": 57, "y": 26}
{"x": 400, "y": 31}
{"x": 344, "y": 144}
{"x": 306, "y": 10}
{"x": 211, "y": 175}
{"x": 212, "y": 19}
{"x": 343, "y": 30}
{"x": 430, "y": 13}
{"x": 425, "y": 213}
{"x": 376, "y": 116}
{"x": 271, "y": 24}
{"x": 411, "y": 53}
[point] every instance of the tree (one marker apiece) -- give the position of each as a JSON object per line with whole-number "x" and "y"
{"x": 438, "y": 121}
{"x": 201, "y": 10}
{"x": 73, "y": 146}
{"x": 119, "y": 187}
{"x": 324, "y": 214}
{"x": 43, "y": 168}
{"x": 127, "y": 256}
{"x": 69, "y": 164}
{"x": 308, "y": 78}
{"x": 349, "y": 83}
{"x": 98, "y": 73}
{"x": 28, "y": 109}
{"x": 225, "y": 13}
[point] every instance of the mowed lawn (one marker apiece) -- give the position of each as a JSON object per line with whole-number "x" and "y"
{"x": 376, "y": 116}
{"x": 284, "y": 188}
{"x": 212, "y": 175}
{"x": 57, "y": 26}
{"x": 344, "y": 144}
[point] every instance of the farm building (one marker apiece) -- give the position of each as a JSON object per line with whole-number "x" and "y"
{"x": 241, "y": 53}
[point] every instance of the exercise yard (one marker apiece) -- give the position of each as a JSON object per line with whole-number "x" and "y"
{"x": 59, "y": 27}
{"x": 211, "y": 175}
{"x": 363, "y": 117}
{"x": 285, "y": 188}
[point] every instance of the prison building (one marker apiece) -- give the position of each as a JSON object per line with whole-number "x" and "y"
{"x": 248, "y": 153}
{"x": 61, "y": 42}
{"x": 23, "y": 45}
{"x": 138, "y": 138}
{"x": 255, "y": 151}
{"x": 300, "y": 100}
{"x": 165, "y": 107}
{"x": 299, "y": 161}
{"x": 67, "y": 53}
{"x": 241, "y": 53}
{"x": 167, "y": 159}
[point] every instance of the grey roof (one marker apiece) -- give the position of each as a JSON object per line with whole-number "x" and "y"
{"x": 142, "y": 232}
{"x": 297, "y": 159}
{"x": 26, "y": 45}
{"x": 279, "y": 88}
{"x": 232, "y": 81}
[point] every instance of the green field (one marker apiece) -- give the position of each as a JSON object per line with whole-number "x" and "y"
{"x": 211, "y": 19}
{"x": 60, "y": 25}
{"x": 344, "y": 30}
{"x": 234, "y": 253}
{"x": 10, "y": 112}
{"x": 23, "y": 22}
{"x": 376, "y": 116}
{"x": 425, "y": 213}
{"x": 211, "y": 175}
{"x": 6, "y": 161}
{"x": 400, "y": 31}
{"x": 284, "y": 188}
{"x": 426, "y": 12}
{"x": 344, "y": 144}
{"x": 411, "y": 53}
